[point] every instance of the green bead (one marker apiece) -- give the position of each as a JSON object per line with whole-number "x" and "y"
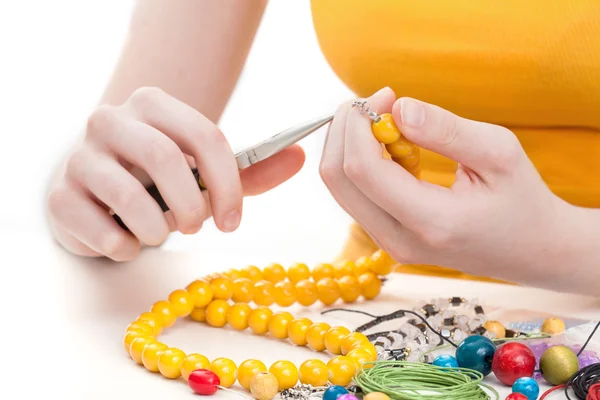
{"x": 558, "y": 364}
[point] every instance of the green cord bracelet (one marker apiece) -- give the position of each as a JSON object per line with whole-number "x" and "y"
{"x": 404, "y": 380}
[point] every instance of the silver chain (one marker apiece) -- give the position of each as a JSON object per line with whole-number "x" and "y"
{"x": 364, "y": 107}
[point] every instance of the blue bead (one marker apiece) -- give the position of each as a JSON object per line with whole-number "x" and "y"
{"x": 333, "y": 392}
{"x": 476, "y": 352}
{"x": 445, "y": 360}
{"x": 527, "y": 386}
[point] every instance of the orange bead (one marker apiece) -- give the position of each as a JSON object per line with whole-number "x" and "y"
{"x": 193, "y": 362}
{"x": 278, "y": 324}
{"x": 381, "y": 263}
{"x": 361, "y": 266}
{"x": 286, "y": 374}
{"x": 359, "y": 357}
{"x": 285, "y": 293}
{"x": 264, "y": 293}
{"x": 169, "y": 363}
{"x": 341, "y": 370}
{"x": 166, "y": 312}
{"x": 329, "y": 291}
{"x": 298, "y": 272}
{"x": 367, "y": 347}
{"x": 343, "y": 268}
{"x": 151, "y": 354}
{"x": 313, "y": 372}
{"x": 259, "y": 320}
{"x": 182, "y": 302}
{"x": 315, "y": 336}
{"x": 298, "y": 329}
{"x": 321, "y": 271}
{"x": 401, "y": 148}
{"x": 349, "y": 288}
{"x": 141, "y": 327}
{"x": 252, "y": 272}
{"x": 225, "y": 369}
{"x": 243, "y": 290}
{"x": 222, "y": 288}
{"x": 152, "y": 319}
{"x": 307, "y": 292}
{"x": 349, "y": 340}
{"x": 238, "y": 315}
{"x": 247, "y": 370}
{"x": 333, "y": 339}
{"x": 385, "y": 130}
{"x": 232, "y": 274}
{"x": 201, "y": 293}
{"x": 216, "y": 313}
{"x": 370, "y": 285}
{"x": 137, "y": 347}
{"x": 199, "y": 314}
{"x": 274, "y": 273}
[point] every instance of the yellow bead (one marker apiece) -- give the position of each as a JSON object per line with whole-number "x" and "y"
{"x": 238, "y": 315}
{"x": 333, "y": 339}
{"x": 307, "y": 292}
{"x": 370, "y": 285}
{"x": 278, "y": 324}
{"x": 321, "y": 271}
{"x": 130, "y": 336}
{"x": 315, "y": 336}
{"x": 313, "y": 372}
{"x": 193, "y": 362}
{"x": 298, "y": 329}
{"x": 285, "y": 293}
{"x": 222, "y": 288}
{"x": 225, "y": 369}
{"x": 343, "y": 268}
{"x": 376, "y": 396}
{"x": 496, "y": 328}
{"x": 137, "y": 347}
{"x": 216, "y": 313}
{"x": 553, "y": 326}
{"x": 264, "y": 293}
{"x": 152, "y": 319}
{"x": 199, "y": 314}
{"x": 259, "y": 320}
{"x": 264, "y": 386}
{"x": 367, "y": 347}
{"x": 361, "y": 266}
{"x": 243, "y": 290}
{"x": 329, "y": 291}
{"x": 169, "y": 362}
{"x": 349, "y": 340}
{"x": 298, "y": 272}
{"x": 151, "y": 354}
{"x": 274, "y": 273}
{"x": 400, "y": 148}
{"x": 142, "y": 327}
{"x": 232, "y": 274}
{"x": 360, "y": 356}
{"x": 349, "y": 288}
{"x": 182, "y": 302}
{"x": 252, "y": 272}
{"x": 166, "y": 312}
{"x": 385, "y": 130}
{"x": 201, "y": 293}
{"x": 286, "y": 374}
{"x": 381, "y": 263}
{"x": 341, "y": 370}
{"x": 247, "y": 370}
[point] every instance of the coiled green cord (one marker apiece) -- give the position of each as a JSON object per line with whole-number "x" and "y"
{"x": 404, "y": 380}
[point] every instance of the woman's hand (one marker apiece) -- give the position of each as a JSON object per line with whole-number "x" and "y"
{"x": 499, "y": 219}
{"x": 152, "y": 136}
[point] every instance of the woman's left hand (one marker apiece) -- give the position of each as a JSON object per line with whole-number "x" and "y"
{"x": 498, "y": 219}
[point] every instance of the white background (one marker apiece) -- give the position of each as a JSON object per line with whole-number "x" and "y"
{"x": 62, "y": 318}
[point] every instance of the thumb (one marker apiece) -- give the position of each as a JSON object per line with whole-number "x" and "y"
{"x": 273, "y": 171}
{"x": 483, "y": 148}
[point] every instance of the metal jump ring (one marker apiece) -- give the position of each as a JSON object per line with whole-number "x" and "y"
{"x": 364, "y": 107}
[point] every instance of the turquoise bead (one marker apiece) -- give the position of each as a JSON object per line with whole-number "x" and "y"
{"x": 527, "y": 386}
{"x": 333, "y": 392}
{"x": 476, "y": 352}
{"x": 445, "y": 360}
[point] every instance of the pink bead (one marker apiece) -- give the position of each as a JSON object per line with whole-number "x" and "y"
{"x": 347, "y": 397}
{"x": 204, "y": 382}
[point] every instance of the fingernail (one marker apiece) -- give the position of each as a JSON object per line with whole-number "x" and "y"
{"x": 232, "y": 221}
{"x": 412, "y": 113}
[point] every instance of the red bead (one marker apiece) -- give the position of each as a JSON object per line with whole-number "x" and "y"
{"x": 516, "y": 396}
{"x": 203, "y": 381}
{"x": 513, "y": 361}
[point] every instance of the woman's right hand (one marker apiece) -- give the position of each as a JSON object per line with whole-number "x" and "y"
{"x": 152, "y": 137}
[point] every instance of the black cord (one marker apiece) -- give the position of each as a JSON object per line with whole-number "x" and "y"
{"x": 582, "y": 380}
{"x": 588, "y": 339}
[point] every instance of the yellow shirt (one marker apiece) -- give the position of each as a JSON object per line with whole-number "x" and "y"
{"x": 532, "y": 66}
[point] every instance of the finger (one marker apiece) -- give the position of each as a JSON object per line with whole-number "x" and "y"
{"x": 73, "y": 245}
{"x": 485, "y": 148}
{"x": 89, "y": 223}
{"x": 198, "y": 136}
{"x": 152, "y": 151}
{"x": 114, "y": 186}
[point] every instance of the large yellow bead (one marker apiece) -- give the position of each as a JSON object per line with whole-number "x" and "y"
{"x": 182, "y": 302}
{"x": 216, "y": 313}
{"x": 222, "y": 288}
{"x": 259, "y": 320}
{"x": 225, "y": 369}
{"x": 252, "y": 272}
{"x": 321, "y": 271}
{"x": 193, "y": 362}
{"x": 286, "y": 374}
{"x": 298, "y": 272}
{"x": 238, "y": 315}
{"x": 199, "y": 314}
{"x": 341, "y": 370}
{"x": 315, "y": 336}
{"x": 137, "y": 347}
{"x": 329, "y": 291}
{"x": 359, "y": 357}
{"x": 285, "y": 293}
{"x": 553, "y": 326}
{"x": 333, "y": 339}
{"x": 349, "y": 340}
{"x": 232, "y": 274}
{"x": 151, "y": 354}
{"x": 370, "y": 285}
{"x": 496, "y": 328}
{"x": 376, "y": 396}
{"x": 166, "y": 311}
{"x": 243, "y": 290}
{"x": 264, "y": 293}
{"x": 361, "y": 266}
{"x": 152, "y": 319}
{"x": 274, "y": 273}
{"x": 349, "y": 288}
{"x": 367, "y": 347}
{"x": 298, "y": 329}
{"x": 201, "y": 293}
{"x": 130, "y": 336}
{"x": 278, "y": 324}
{"x": 313, "y": 372}
{"x": 385, "y": 130}
{"x": 343, "y": 268}
{"x": 401, "y": 148}
{"x": 169, "y": 362}
{"x": 247, "y": 370}
{"x": 141, "y": 327}
{"x": 307, "y": 292}
{"x": 381, "y": 263}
